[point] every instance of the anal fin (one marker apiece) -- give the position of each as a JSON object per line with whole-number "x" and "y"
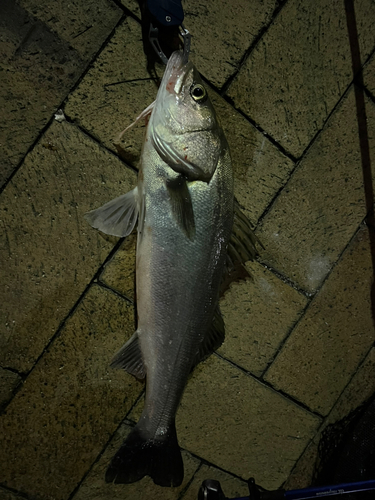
{"x": 130, "y": 358}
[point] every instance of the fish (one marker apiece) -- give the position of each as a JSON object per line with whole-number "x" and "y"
{"x": 191, "y": 234}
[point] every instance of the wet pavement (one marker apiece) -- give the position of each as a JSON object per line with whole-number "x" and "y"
{"x": 299, "y": 350}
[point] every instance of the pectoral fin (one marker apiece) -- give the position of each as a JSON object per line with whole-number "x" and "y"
{"x": 182, "y": 208}
{"x": 130, "y": 358}
{"x": 117, "y": 217}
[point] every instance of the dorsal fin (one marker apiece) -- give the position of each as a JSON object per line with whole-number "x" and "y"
{"x": 242, "y": 247}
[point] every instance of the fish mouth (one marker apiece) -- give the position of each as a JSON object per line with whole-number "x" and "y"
{"x": 176, "y": 72}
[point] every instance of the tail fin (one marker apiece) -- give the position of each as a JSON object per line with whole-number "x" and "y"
{"x": 160, "y": 458}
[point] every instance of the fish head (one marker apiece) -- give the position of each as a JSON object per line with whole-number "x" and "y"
{"x": 183, "y": 125}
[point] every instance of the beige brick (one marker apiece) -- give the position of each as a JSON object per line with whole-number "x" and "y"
{"x": 94, "y": 485}
{"x": 230, "y": 485}
{"x": 242, "y": 426}
{"x": 326, "y": 347}
{"x": 9, "y": 495}
{"x": 222, "y": 32}
{"x": 38, "y": 68}
{"x": 260, "y": 169}
{"x": 8, "y": 382}
{"x": 133, "y": 6}
{"x": 36, "y": 71}
{"x": 115, "y": 91}
{"x": 71, "y": 403}
{"x": 258, "y": 315}
{"x": 300, "y": 68}
{"x": 369, "y": 76}
{"x": 302, "y": 474}
{"x": 235, "y": 422}
{"x": 359, "y": 389}
{"x": 119, "y": 272}
{"x": 83, "y": 24}
{"x": 49, "y": 251}
{"x": 320, "y": 208}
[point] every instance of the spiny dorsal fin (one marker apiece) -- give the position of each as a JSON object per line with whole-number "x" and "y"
{"x": 130, "y": 359}
{"x": 242, "y": 247}
{"x": 117, "y": 217}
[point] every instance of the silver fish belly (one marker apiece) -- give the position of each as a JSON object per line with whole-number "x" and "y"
{"x": 184, "y": 205}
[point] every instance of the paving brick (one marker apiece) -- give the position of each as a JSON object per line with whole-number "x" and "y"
{"x": 300, "y": 68}
{"x": 369, "y": 76}
{"x": 115, "y": 91}
{"x": 94, "y": 485}
{"x": 222, "y": 32}
{"x": 260, "y": 169}
{"x": 49, "y": 252}
{"x": 83, "y": 24}
{"x": 9, "y": 495}
{"x": 359, "y": 389}
{"x": 231, "y": 486}
{"x": 38, "y": 68}
{"x": 119, "y": 273}
{"x": 133, "y": 6}
{"x": 238, "y": 424}
{"x": 8, "y": 382}
{"x": 258, "y": 315}
{"x": 303, "y": 472}
{"x": 322, "y": 205}
{"x": 326, "y": 347}
{"x": 71, "y": 403}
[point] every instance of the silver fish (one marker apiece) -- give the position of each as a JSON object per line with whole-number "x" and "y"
{"x": 184, "y": 205}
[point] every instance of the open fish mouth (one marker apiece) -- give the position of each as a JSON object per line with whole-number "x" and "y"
{"x": 175, "y": 73}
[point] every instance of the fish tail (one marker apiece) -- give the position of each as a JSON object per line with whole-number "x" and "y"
{"x": 159, "y": 457}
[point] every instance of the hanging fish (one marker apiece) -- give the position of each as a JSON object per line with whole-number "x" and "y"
{"x": 185, "y": 209}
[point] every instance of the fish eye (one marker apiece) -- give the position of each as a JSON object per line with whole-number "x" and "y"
{"x": 198, "y": 93}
